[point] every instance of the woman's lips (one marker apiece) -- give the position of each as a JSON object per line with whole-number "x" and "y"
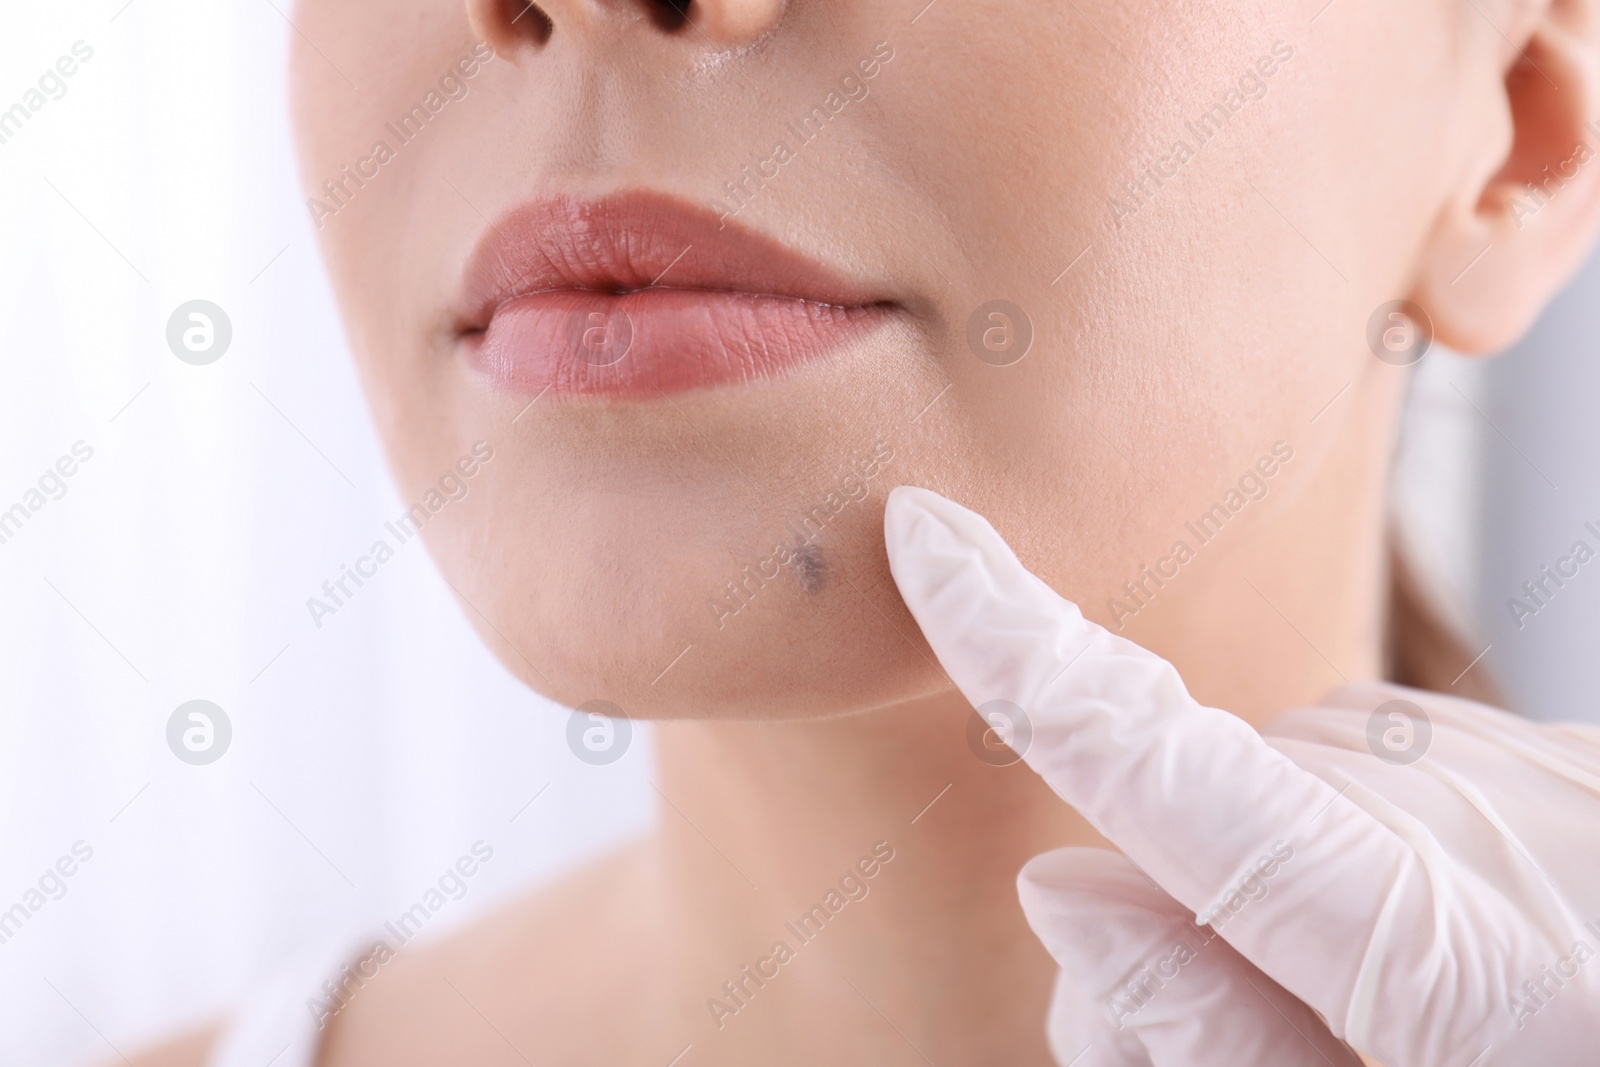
{"x": 638, "y": 294}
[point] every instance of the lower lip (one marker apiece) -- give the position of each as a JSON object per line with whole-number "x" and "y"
{"x": 652, "y": 341}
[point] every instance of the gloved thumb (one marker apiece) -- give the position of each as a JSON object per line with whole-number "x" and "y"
{"x": 1133, "y": 951}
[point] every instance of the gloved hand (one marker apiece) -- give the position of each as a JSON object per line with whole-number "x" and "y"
{"x": 1435, "y": 899}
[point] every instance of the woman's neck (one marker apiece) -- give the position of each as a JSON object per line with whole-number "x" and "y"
{"x": 763, "y": 824}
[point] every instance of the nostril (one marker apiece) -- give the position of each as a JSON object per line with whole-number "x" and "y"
{"x": 528, "y": 21}
{"x": 670, "y": 15}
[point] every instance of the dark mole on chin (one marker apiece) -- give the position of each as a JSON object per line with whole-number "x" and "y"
{"x": 810, "y": 567}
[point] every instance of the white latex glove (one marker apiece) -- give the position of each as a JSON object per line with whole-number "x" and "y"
{"x": 1438, "y": 913}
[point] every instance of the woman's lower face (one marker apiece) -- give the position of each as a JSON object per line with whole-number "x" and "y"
{"x": 653, "y": 312}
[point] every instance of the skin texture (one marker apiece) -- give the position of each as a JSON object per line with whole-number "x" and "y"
{"x": 1174, "y": 345}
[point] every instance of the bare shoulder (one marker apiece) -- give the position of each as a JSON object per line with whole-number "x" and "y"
{"x": 534, "y": 981}
{"x": 190, "y": 1049}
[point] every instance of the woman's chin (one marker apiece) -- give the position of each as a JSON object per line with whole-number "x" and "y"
{"x": 825, "y": 634}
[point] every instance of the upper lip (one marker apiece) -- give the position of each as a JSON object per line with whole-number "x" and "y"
{"x": 625, "y": 242}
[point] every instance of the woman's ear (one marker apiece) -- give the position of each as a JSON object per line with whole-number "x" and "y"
{"x": 1526, "y": 216}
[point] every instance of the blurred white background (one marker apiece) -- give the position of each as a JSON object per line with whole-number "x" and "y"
{"x": 1542, "y": 476}
{"x": 367, "y": 755}
{"x": 370, "y": 753}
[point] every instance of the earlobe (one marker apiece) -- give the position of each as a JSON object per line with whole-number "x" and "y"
{"x": 1510, "y": 239}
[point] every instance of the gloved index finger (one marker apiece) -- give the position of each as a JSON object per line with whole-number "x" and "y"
{"x": 1191, "y": 794}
